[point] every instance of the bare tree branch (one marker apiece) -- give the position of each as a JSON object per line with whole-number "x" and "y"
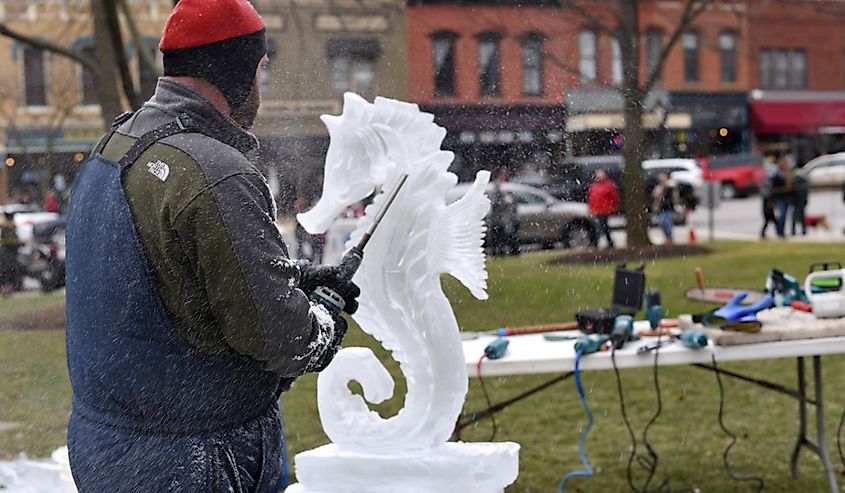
{"x": 146, "y": 56}
{"x": 119, "y": 49}
{"x": 692, "y": 10}
{"x": 589, "y": 18}
{"x": 49, "y": 46}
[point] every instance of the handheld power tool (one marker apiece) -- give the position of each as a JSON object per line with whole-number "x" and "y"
{"x": 351, "y": 260}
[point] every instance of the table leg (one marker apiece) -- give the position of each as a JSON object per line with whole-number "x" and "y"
{"x": 820, "y": 447}
{"x": 820, "y": 430}
{"x": 802, "y": 414}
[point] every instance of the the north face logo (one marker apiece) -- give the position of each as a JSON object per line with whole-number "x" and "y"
{"x": 159, "y": 169}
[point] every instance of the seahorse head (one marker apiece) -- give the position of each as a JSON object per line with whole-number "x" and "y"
{"x": 372, "y": 144}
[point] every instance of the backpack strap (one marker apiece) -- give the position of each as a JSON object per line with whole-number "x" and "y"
{"x": 182, "y": 124}
{"x": 117, "y": 122}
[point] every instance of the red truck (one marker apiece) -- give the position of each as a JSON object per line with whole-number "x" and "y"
{"x": 739, "y": 174}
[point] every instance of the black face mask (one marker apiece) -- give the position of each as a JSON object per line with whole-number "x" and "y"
{"x": 229, "y": 64}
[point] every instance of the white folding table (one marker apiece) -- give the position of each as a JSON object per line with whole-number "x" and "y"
{"x": 532, "y": 354}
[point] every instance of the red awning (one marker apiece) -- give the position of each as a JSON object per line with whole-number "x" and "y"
{"x": 796, "y": 117}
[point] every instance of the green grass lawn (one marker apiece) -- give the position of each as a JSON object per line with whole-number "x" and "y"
{"x": 523, "y": 291}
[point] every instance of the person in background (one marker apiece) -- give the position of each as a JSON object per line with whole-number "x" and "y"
{"x": 799, "y": 196}
{"x": 665, "y": 196}
{"x": 504, "y": 223}
{"x": 9, "y": 244}
{"x": 781, "y": 194}
{"x": 603, "y": 201}
{"x": 51, "y": 201}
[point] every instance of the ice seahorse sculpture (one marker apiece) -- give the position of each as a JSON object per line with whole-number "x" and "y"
{"x": 403, "y": 306}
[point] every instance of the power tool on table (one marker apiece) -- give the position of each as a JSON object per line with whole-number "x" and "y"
{"x": 826, "y": 290}
{"x": 590, "y": 344}
{"x": 654, "y": 310}
{"x": 351, "y": 260}
{"x": 784, "y": 289}
{"x": 623, "y": 331}
{"x": 497, "y": 348}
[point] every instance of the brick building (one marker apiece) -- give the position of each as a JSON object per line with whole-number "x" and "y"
{"x": 797, "y": 98}
{"x": 552, "y": 86}
{"x": 494, "y": 74}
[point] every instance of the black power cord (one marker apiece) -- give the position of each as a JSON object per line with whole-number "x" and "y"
{"x": 487, "y": 398}
{"x": 630, "y": 429}
{"x": 649, "y": 463}
{"x": 727, "y": 432}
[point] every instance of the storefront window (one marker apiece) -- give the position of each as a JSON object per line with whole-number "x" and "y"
{"x": 35, "y": 83}
{"x": 587, "y": 55}
{"x": 727, "y": 51}
{"x": 489, "y": 64}
{"x": 690, "y": 44}
{"x": 532, "y": 65}
{"x": 444, "y": 64}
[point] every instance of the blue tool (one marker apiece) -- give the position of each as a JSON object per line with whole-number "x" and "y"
{"x": 497, "y": 348}
{"x": 654, "y": 310}
{"x": 623, "y": 331}
{"x": 693, "y": 339}
{"x": 590, "y": 344}
{"x": 733, "y": 311}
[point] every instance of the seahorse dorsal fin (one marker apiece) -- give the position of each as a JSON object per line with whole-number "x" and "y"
{"x": 460, "y": 231}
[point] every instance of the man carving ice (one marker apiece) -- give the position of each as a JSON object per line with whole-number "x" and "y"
{"x": 185, "y": 316}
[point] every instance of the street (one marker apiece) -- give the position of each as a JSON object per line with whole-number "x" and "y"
{"x": 742, "y": 219}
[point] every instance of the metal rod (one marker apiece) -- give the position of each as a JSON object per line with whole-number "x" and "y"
{"x": 821, "y": 440}
{"x": 387, "y": 203}
{"x": 763, "y": 383}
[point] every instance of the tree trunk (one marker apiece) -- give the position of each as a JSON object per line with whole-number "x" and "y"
{"x": 633, "y": 183}
{"x": 110, "y": 102}
{"x": 636, "y": 214}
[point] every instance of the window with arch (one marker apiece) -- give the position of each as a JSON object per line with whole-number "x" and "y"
{"x": 489, "y": 64}
{"x": 689, "y": 41}
{"x": 532, "y": 64}
{"x": 587, "y": 55}
{"x": 89, "y": 84}
{"x": 443, "y": 50}
{"x": 727, "y": 56}
{"x": 34, "y": 76}
{"x": 653, "y": 47}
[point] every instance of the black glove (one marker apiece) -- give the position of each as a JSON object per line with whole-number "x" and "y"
{"x": 314, "y": 275}
{"x": 340, "y": 327}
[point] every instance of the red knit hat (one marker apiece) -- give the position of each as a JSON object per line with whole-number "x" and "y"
{"x": 200, "y": 22}
{"x": 221, "y": 41}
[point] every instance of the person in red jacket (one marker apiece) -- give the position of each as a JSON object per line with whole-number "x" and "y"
{"x": 603, "y": 200}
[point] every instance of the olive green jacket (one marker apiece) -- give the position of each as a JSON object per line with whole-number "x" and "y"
{"x": 206, "y": 221}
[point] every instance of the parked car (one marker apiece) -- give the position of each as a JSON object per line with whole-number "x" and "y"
{"x": 681, "y": 170}
{"x": 826, "y": 171}
{"x": 542, "y": 218}
{"x": 738, "y": 174}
